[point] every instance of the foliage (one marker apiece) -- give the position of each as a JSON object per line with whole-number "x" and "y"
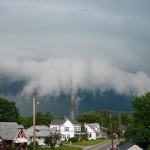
{"x": 8, "y": 111}
{"x": 9, "y": 148}
{"x": 148, "y": 147}
{"x": 51, "y": 140}
{"x": 41, "y": 119}
{"x": 139, "y": 130}
{"x": 94, "y": 117}
{"x": 103, "y": 118}
{"x": 125, "y": 118}
{"x": 44, "y": 119}
{"x": 141, "y": 110}
{"x": 68, "y": 147}
{"x": 30, "y": 146}
{"x": 73, "y": 139}
{"x": 87, "y": 143}
{"x": 26, "y": 121}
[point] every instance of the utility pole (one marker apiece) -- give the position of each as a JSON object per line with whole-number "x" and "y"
{"x": 120, "y": 125}
{"x": 111, "y": 129}
{"x": 112, "y": 143}
{"x": 102, "y": 130}
{"x": 34, "y": 132}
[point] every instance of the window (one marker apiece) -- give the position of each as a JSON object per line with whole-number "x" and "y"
{"x": 79, "y": 128}
{"x": 66, "y": 128}
{"x": 75, "y": 128}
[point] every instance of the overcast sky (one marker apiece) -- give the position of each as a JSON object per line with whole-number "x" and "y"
{"x": 104, "y": 42}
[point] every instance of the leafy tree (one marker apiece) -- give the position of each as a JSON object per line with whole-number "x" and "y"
{"x": 141, "y": 110}
{"x": 8, "y": 111}
{"x": 26, "y": 121}
{"x": 41, "y": 119}
{"x": 31, "y": 145}
{"x": 94, "y": 117}
{"x": 51, "y": 140}
{"x": 139, "y": 131}
{"x": 44, "y": 119}
{"x": 126, "y": 119}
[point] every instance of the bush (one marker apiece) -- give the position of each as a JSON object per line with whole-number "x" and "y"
{"x": 30, "y": 146}
{"x": 9, "y": 148}
{"x": 148, "y": 147}
{"x": 84, "y": 138}
{"x": 73, "y": 139}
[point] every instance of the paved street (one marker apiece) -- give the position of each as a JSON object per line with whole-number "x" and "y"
{"x": 101, "y": 146}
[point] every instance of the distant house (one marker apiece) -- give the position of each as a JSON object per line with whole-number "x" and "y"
{"x": 66, "y": 127}
{"x": 135, "y": 147}
{"x": 41, "y": 133}
{"x": 129, "y": 146}
{"x": 93, "y": 131}
{"x": 12, "y": 135}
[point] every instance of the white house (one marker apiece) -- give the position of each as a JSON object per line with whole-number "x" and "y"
{"x": 67, "y": 128}
{"x": 93, "y": 130}
{"x": 41, "y": 133}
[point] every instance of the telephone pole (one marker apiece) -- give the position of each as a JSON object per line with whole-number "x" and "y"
{"x": 120, "y": 125}
{"x": 111, "y": 129}
{"x": 112, "y": 143}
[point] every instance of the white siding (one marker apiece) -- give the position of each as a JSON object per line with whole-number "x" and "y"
{"x": 91, "y": 133}
{"x": 67, "y": 129}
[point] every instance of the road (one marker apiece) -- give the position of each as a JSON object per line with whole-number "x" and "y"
{"x": 101, "y": 146}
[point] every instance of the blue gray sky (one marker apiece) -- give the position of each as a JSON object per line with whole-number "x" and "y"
{"x": 104, "y": 42}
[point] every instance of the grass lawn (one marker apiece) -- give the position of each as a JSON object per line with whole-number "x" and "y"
{"x": 87, "y": 143}
{"x": 62, "y": 148}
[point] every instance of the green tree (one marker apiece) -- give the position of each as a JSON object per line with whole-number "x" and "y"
{"x": 41, "y": 119}
{"x": 26, "y": 121}
{"x": 8, "y": 111}
{"x": 139, "y": 131}
{"x": 51, "y": 140}
{"x": 44, "y": 119}
{"x": 94, "y": 117}
{"x": 141, "y": 110}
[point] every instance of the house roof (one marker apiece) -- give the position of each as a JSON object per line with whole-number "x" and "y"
{"x": 135, "y": 147}
{"x": 9, "y": 130}
{"x": 58, "y": 122}
{"x": 94, "y": 126}
{"x": 126, "y": 146}
{"x": 74, "y": 121}
{"x": 62, "y": 121}
{"x": 41, "y": 131}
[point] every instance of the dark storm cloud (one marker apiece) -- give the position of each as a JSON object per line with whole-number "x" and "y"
{"x": 106, "y": 40}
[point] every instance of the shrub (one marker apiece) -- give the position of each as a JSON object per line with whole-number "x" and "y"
{"x": 73, "y": 139}
{"x": 30, "y": 146}
{"x": 9, "y": 148}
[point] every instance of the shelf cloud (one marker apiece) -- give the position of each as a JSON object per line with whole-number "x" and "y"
{"x": 105, "y": 44}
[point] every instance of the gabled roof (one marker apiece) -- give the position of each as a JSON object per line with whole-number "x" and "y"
{"x": 135, "y": 147}
{"x": 41, "y": 131}
{"x": 58, "y": 122}
{"x": 9, "y": 130}
{"x": 74, "y": 121}
{"x": 93, "y": 126}
{"x": 62, "y": 121}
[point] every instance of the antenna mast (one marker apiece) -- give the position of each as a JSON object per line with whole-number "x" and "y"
{"x": 72, "y": 114}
